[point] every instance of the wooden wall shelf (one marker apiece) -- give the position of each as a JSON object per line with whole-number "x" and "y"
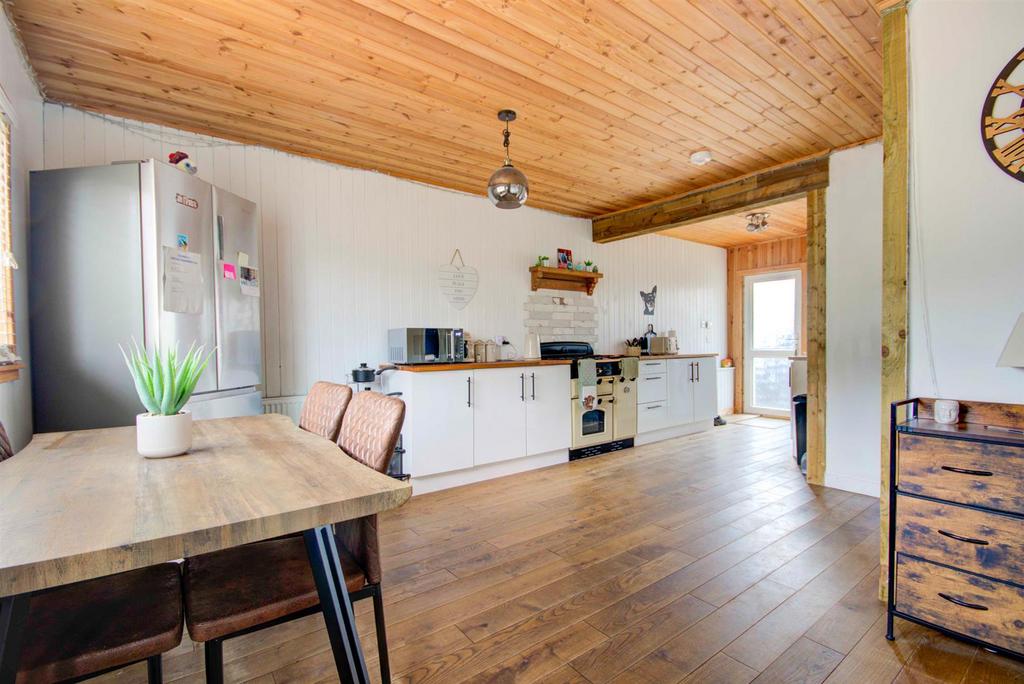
{"x": 563, "y": 279}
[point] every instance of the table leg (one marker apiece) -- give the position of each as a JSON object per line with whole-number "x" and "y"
{"x": 13, "y": 615}
{"x": 334, "y": 600}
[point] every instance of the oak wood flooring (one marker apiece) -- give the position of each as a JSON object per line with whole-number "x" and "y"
{"x": 700, "y": 559}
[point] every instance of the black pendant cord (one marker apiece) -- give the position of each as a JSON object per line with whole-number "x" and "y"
{"x": 507, "y": 135}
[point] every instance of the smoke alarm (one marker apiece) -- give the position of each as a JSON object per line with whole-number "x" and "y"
{"x": 701, "y": 157}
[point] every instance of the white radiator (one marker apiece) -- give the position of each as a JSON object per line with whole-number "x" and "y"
{"x": 287, "y": 406}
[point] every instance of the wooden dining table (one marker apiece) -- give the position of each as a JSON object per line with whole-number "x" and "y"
{"x": 83, "y": 504}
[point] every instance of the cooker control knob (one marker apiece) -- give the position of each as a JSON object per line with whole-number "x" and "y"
{"x": 599, "y": 381}
{"x": 622, "y": 379}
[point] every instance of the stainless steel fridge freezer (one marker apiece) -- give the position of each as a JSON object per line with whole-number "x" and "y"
{"x": 138, "y": 250}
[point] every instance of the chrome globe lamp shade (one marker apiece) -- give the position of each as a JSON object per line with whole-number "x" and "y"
{"x": 507, "y": 187}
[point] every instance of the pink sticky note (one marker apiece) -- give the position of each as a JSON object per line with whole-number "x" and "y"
{"x": 229, "y": 272}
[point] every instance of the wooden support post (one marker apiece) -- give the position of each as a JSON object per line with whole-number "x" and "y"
{"x": 816, "y": 319}
{"x": 895, "y": 234}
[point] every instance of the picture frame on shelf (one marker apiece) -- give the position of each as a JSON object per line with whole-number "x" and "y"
{"x": 565, "y": 258}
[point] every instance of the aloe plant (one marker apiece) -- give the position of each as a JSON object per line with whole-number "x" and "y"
{"x": 163, "y": 381}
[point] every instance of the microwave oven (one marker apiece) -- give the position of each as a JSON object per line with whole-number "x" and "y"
{"x": 426, "y": 345}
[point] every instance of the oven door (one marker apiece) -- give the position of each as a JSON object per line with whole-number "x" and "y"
{"x": 595, "y": 426}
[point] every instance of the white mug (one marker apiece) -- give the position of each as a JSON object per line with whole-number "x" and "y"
{"x": 947, "y": 411}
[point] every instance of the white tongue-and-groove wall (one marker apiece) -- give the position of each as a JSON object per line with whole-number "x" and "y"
{"x": 348, "y": 253}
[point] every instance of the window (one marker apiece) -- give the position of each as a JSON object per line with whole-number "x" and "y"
{"x": 7, "y": 264}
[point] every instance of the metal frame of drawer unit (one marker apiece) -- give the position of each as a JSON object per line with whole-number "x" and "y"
{"x": 896, "y": 494}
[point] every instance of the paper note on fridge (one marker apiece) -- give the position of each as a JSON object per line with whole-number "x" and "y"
{"x": 183, "y": 281}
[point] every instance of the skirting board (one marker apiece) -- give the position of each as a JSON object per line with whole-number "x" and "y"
{"x": 488, "y": 471}
{"x": 858, "y": 485}
{"x": 677, "y": 431}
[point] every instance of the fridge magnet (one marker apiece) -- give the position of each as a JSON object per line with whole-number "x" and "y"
{"x": 183, "y": 242}
{"x": 648, "y": 298}
{"x": 565, "y": 258}
{"x": 458, "y": 282}
{"x": 248, "y": 282}
{"x": 229, "y": 272}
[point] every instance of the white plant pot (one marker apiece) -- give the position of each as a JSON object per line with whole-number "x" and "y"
{"x": 163, "y": 436}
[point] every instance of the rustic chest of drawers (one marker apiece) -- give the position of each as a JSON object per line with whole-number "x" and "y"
{"x": 956, "y": 523}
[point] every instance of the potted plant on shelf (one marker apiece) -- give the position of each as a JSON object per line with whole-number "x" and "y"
{"x": 542, "y": 261}
{"x": 589, "y": 266}
{"x": 164, "y": 384}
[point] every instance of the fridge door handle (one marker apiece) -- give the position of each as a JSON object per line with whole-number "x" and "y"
{"x": 220, "y": 237}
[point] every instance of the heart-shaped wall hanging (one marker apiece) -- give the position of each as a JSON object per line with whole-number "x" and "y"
{"x": 458, "y": 282}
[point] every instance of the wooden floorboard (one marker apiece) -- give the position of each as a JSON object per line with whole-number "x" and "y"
{"x": 701, "y": 559}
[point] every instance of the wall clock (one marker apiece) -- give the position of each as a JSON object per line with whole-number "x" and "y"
{"x": 1002, "y": 119}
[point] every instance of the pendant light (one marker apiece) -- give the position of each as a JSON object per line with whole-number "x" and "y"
{"x": 507, "y": 188}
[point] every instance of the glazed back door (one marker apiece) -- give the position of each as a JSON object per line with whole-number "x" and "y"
{"x": 770, "y": 335}
{"x": 239, "y": 282}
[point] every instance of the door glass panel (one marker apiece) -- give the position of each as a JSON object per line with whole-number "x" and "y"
{"x": 774, "y": 319}
{"x": 771, "y": 383}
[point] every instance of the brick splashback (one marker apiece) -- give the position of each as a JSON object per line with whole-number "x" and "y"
{"x": 557, "y": 315}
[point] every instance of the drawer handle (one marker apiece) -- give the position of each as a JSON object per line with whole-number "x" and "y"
{"x": 967, "y": 471}
{"x": 961, "y": 602}
{"x": 654, "y": 407}
{"x": 969, "y": 540}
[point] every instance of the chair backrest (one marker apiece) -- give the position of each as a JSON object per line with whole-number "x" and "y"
{"x": 370, "y": 429}
{"x": 323, "y": 409}
{"x": 369, "y": 433}
{"x": 6, "y": 451}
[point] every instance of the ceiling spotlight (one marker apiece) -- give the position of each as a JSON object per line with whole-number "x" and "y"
{"x": 507, "y": 187}
{"x": 700, "y": 157}
{"x": 757, "y": 222}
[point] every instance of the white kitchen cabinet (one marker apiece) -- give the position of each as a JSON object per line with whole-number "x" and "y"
{"x": 679, "y": 392}
{"x": 652, "y": 416}
{"x": 438, "y": 431}
{"x": 548, "y": 409}
{"x": 652, "y": 387}
{"x": 680, "y": 387}
{"x": 705, "y": 389}
{"x": 499, "y": 414}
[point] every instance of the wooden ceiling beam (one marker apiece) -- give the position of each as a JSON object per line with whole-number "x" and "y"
{"x": 751, "y": 192}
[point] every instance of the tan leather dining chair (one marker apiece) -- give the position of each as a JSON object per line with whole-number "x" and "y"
{"x": 244, "y": 589}
{"x": 323, "y": 409}
{"x": 81, "y": 630}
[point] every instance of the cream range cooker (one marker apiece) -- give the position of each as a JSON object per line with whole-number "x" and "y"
{"x": 610, "y": 424}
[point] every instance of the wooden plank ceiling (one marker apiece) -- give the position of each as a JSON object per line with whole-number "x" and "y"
{"x": 786, "y": 219}
{"x": 613, "y": 96}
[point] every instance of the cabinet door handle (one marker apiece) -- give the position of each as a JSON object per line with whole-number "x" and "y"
{"x": 697, "y": 366}
{"x": 961, "y": 602}
{"x": 522, "y": 387}
{"x": 968, "y": 471}
{"x": 969, "y": 540}
{"x": 691, "y": 372}
{"x": 469, "y": 392}
{"x": 533, "y": 386}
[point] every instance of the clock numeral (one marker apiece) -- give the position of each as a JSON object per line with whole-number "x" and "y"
{"x": 1012, "y": 156}
{"x": 997, "y": 125}
{"x": 1002, "y": 88}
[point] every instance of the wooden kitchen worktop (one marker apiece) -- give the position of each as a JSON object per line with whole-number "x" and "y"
{"x": 469, "y": 365}
{"x": 525, "y": 363}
